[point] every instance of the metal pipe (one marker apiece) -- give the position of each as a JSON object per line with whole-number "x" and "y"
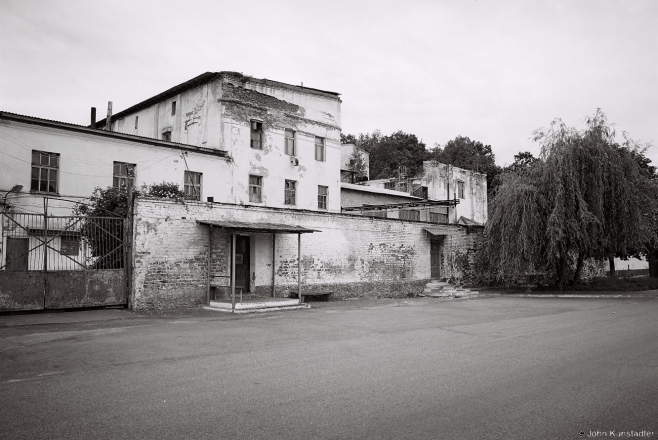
{"x": 299, "y": 267}
{"x": 233, "y": 271}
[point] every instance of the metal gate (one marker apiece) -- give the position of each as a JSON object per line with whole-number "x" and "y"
{"x": 54, "y": 262}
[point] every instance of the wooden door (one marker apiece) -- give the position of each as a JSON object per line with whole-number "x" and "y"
{"x": 242, "y": 252}
{"x": 17, "y": 250}
{"x": 436, "y": 256}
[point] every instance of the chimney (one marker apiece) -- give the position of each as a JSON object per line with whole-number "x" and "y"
{"x": 108, "y": 121}
{"x": 93, "y": 117}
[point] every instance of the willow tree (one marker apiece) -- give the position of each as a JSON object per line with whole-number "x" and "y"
{"x": 584, "y": 198}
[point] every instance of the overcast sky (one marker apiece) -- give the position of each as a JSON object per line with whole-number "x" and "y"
{"x": 490, "y": 70}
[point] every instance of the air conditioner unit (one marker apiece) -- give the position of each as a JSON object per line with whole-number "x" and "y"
{"x": 294, "y": 160}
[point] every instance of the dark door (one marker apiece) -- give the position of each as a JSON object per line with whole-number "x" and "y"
{"x": 242, "y": 251}
{"x": 17, "y": 250}
{"x": 436, "y": 256}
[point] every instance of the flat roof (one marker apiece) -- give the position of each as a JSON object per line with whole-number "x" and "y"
{"x": 375, "y": 190}
{"x": 257, "y": 227}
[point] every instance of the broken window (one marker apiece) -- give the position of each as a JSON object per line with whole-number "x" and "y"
{"x": 460, "y": 190}
{"x": 44, "y": 171}
{"x": 255, "y": 189}
{"x": 410, "y": 214}
{"x": 257, "y": 135}
{"x": 289, "y": 193}
{"x": 438, "y": 217}
{"x": 166, "y": 136}
{"x": 323, "y": 193}
{"x": 290, "y": 143}
{"x": 123, "y": 175}
{"x": 319, "y": 149}
{"x": 192, "y": 185}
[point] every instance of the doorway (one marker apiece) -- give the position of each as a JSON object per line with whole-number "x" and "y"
{"x": 436, "y": 257}
{"x": 242, "y": 266}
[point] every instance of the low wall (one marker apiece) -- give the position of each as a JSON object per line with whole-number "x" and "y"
{"x": 352, "y": 255}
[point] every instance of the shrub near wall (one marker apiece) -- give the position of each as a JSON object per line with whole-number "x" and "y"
{"x": 354, "y": 256}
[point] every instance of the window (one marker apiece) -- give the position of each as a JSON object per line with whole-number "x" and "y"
{"x": 44, "y": 171}
{"x": 389, "y": 185}
{"x": 136, "y": 121}
{"x": 166, "y": 136}
{"x": 257, "y": 135}
{"x": 319, "y": 149}
{"x": 290, "y": 143}
{"x": 70, "y": 245}
{"x": 460, "y": 190}
{"x": 438, "y": 217}
{"x": 123, "y": 175}
{"x": 289, "y": 194}
{"x": 380, "y": 214}
{"x": 410, "y": 214}
{"x": 173, "y": 108}
{"x": 255, "y": 189}
{"x": 192, "y": 185}
{"x": 323, "y": 193}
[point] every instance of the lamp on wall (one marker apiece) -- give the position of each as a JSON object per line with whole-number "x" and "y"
{"x": 15, "y": 188}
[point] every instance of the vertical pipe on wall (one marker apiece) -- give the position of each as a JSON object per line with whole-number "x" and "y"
{"x": 233, "y": 271}
{"x": 273, "y": 269}
{"x": 299, "y": 267}
{"x": 209, "y": 260}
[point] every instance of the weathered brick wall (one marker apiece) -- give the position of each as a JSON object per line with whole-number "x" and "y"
{"x": 352, "y": 255}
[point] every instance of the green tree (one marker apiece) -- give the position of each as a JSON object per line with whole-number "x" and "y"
{"x": 585, "y": 197}
{"x": 473, "y": 155}
{"x": 389, "y": 153}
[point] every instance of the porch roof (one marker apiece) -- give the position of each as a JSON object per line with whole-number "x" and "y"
{"x": 257, "y": 227}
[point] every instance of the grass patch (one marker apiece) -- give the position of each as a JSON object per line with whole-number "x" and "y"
{"x": 612, "y": 284}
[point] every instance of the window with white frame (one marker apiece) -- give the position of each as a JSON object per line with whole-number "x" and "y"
{"x": 123, "y": 175}
{"x": 45, "y": 168}
{"x": 192, "y": 186}
{"x": 255, "y": 189}
{"x": 257, "y": 135}
{"x": 290, "y": 192}
{"x": 319, "y": 149}
{"x": 290, "y": 143}
{"x": 323, "y": 194}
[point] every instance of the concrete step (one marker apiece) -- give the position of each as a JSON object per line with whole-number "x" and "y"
{"x": 258, "y": 305}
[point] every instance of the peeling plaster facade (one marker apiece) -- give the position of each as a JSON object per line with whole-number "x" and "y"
{"x": 216, "y": 112}
{"x": 443, "y": 183}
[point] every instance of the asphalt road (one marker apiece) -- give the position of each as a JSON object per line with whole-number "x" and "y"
{"x": 496, "y": 368}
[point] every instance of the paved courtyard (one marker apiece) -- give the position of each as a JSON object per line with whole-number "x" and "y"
{"x": 492, "y": 368}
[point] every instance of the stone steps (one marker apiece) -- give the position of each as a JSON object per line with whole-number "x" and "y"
{"x": 442, "y": 289}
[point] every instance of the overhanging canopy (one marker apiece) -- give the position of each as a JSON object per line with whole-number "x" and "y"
{"x": 257, "y": 227}
{"x": 369, "y": 207}
{"x": 435, "y": 232}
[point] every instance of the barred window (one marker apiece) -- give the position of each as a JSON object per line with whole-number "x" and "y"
{"x": 323, "y": 193}
{"x": 255, "y": 189}
{"x": 319, "y": 149}
{"x": 410, "y": 214}
{"x": 290, "y": 143}
{"x": 192, "y": 185}
{"x": 289, "y": 193}
{"x": 44, "y": 171}
{"x": 123, "y": 175}
{"x": 257, "y": 135}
